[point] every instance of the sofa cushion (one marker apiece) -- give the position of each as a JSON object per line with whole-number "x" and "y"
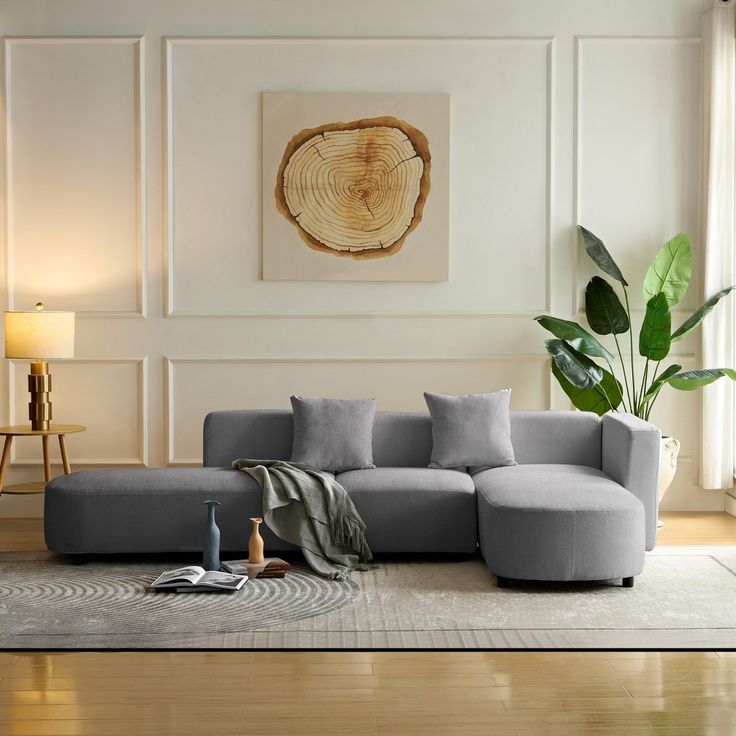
{"x": 333, "y": 434}
{"x": 474, "y": 429}
{"x": 415, "y": 509}
{"x": 406, "y": 479}
{"x": 403, "y": 438}
{"x": 552, "y": 487}
{"x": 568, "y": 437}
{"x": 151, "y": 482}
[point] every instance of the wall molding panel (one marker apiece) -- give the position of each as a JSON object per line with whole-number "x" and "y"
{"x": 170, "y": 45}
{"x": 137, "y": 204}
{"x": 581, "y": 43}
{"x": 108, "y": 424}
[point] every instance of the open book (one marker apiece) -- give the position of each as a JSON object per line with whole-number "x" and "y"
{"x": 195, "y": 579}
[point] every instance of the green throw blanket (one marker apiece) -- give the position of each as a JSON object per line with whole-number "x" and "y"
{"x": 311, "y": 509}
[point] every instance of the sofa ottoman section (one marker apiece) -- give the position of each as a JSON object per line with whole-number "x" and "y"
{"x": 150, "y": 510}
{"x": 558, "y": 522}
{"x": 415, "y": 509}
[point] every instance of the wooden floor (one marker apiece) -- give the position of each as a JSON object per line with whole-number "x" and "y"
{"x": 388, "y": 693}
{"x": 696, "y": 527}
{"x": 360, "y": 693}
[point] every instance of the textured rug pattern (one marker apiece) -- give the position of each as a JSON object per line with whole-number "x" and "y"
{"x": 684, "y": 598}
{"x": 45, "y": 595}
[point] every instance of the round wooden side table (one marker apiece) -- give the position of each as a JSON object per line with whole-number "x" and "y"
{"x": 24, "y": 430}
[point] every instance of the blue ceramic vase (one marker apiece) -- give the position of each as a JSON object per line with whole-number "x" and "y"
{"x": 211, "y": 541}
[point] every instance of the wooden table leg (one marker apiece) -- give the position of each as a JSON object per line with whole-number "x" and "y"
{"x": 64, "y": 455}
{"x": 6, "y": 459}
{"x": 46, "y": 458}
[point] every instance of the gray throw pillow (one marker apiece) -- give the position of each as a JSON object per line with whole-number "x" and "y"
{"x": 333, "y": 434}
{"x": 473, "y": 430}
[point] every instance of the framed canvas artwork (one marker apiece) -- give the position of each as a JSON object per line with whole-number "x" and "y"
{"x": 356, "y": 187}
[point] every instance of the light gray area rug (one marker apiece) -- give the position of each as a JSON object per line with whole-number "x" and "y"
{"x": 686, "y": 597}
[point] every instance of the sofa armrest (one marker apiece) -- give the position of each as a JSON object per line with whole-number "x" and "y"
{"x": 630, "y": 456}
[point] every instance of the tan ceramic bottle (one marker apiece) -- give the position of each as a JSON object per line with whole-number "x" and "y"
{"x": 255, "y": 543}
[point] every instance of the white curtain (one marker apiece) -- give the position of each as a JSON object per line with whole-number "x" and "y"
{"x": 719, "y": 179}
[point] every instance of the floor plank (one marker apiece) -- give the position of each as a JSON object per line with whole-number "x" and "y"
{"x": 496, "y": 693}
{"x": 696, "y": 528}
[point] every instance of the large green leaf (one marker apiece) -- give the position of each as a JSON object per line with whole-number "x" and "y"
{"x": 603, "y": 309}
{"x": 576, "y": 336}
{"x": 579, "y": 369}
{"x": 670, "y": 272}
{"x": 654, "y": 338}
{"x": 660, "y": 380}
{"x": 599, "y": 254}
{"x": 692, "y": 322}
{"x": 592, "y": 399}
{"x": 690, "y": 380}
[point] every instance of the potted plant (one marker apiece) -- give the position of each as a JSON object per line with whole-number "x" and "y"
{"x": 577, "y": 354}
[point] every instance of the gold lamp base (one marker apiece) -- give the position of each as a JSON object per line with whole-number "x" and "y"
{"x": 39, "y": 384}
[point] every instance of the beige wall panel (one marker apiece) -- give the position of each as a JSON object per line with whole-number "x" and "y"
{"x": 197, "y": 387}
{"x": 638, "y": 163}
{"x": 75, "y": 209}
{"x": 686, "y": 495}
{"x": 108, "y": 396}
{"x": 500, "y": 107}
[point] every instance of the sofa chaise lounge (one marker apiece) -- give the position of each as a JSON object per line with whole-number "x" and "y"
{"x": 581, "y": 503}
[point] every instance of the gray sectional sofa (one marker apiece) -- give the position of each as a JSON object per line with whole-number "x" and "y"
{"x": 581, "y": 504}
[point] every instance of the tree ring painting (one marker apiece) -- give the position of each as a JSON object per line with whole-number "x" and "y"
{"x": 354, "y": 195}
{"x": 355, "y": 189}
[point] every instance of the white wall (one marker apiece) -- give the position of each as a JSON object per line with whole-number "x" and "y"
{"x": 132, "y": 196}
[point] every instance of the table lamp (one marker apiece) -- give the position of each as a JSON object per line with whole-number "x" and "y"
{"x": 38, "y": 336}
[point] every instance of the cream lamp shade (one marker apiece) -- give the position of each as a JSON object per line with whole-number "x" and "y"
{"x": 39, "y": 334}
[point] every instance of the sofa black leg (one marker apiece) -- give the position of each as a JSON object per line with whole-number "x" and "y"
{"x": 503, "y": 582}
{"x": 628, "y": 582}
{"x": 80, "y": 559}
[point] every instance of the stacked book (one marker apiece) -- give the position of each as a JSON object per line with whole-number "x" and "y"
{"x": 271, "y": 567}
